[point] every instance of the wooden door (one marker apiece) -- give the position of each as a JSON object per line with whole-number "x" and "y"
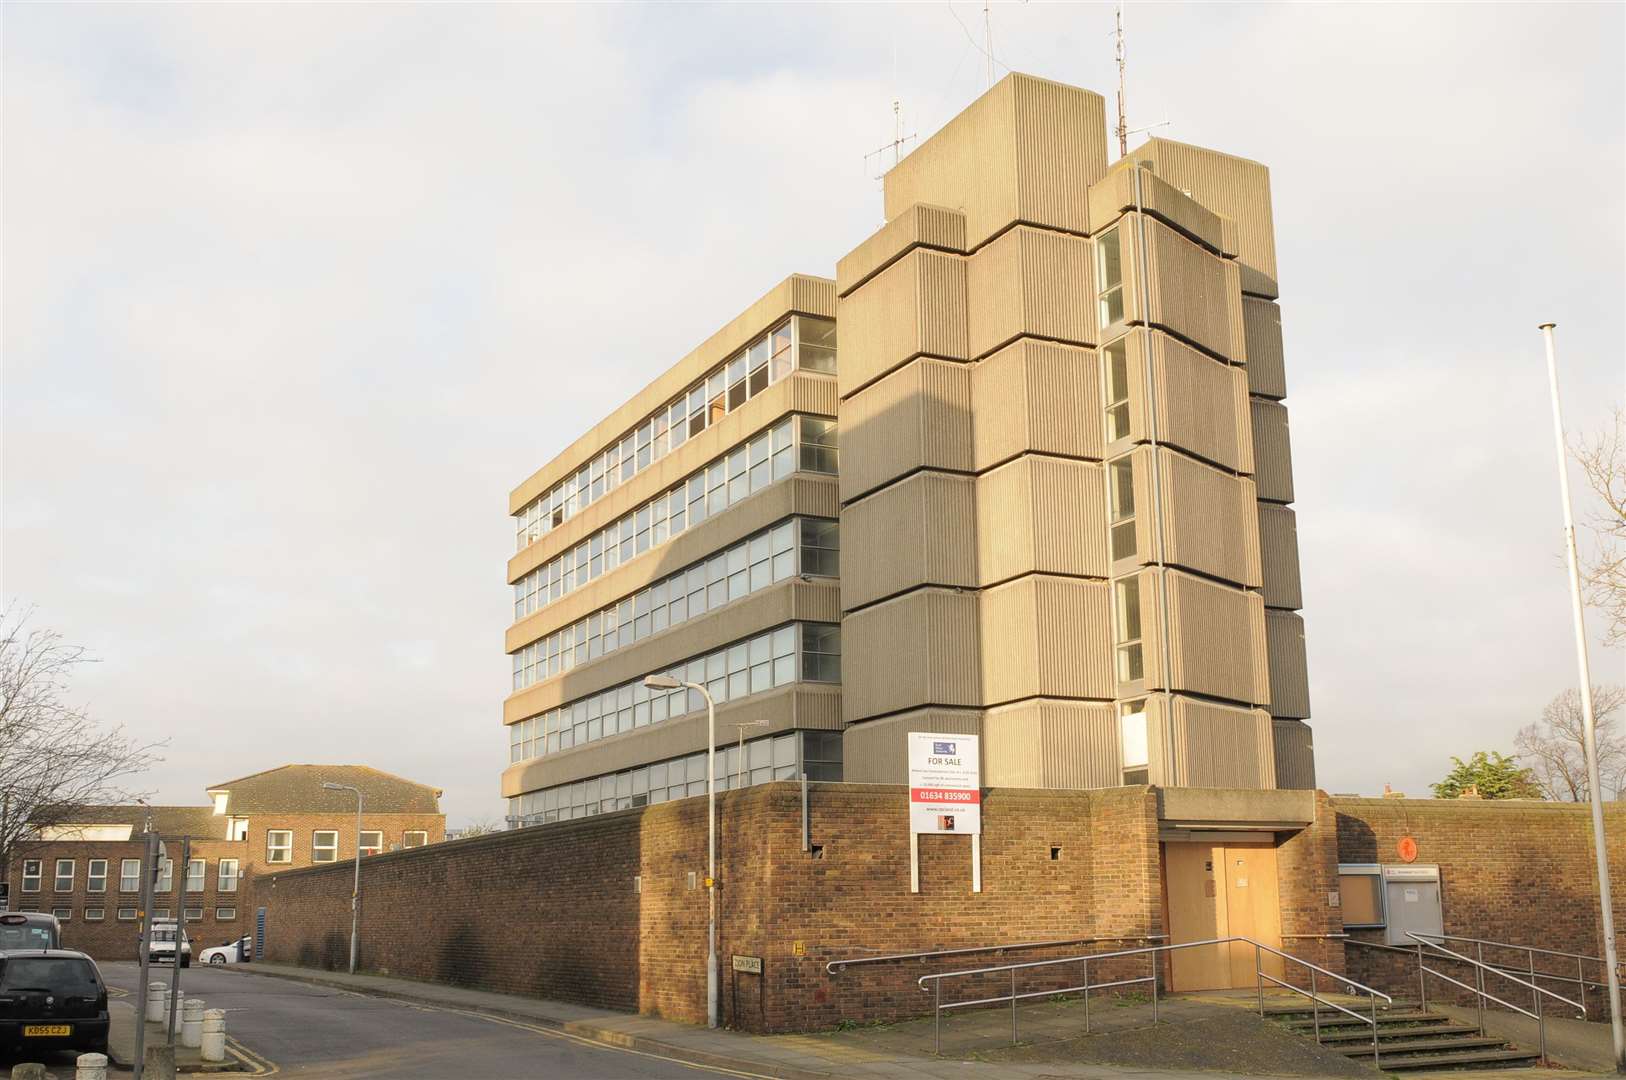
{"x": 1215, "y": 891}
{"x": 1255, "y": 912}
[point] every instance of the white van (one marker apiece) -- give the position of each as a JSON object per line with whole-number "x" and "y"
{"x": 161, "y": 949}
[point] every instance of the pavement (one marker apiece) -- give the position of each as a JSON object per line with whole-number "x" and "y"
{"x": 1574, "y": 1044}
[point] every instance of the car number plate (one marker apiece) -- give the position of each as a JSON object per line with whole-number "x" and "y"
{"x": 47, "y": 1029}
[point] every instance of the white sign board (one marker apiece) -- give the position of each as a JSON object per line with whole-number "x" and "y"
{"x": 945, "y": 785}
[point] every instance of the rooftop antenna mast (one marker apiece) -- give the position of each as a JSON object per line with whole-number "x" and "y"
{"x": 988, "y": 34}
{"x": 1123, "y": 116}
{"x": 899, "y": 140}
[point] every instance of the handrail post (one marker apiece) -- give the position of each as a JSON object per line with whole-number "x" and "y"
{"x": 937, "y": 1016}
{"x": 1153, "y": 957}
{"x": 1086, "y": 995}
{"x": 1259, "y": 977}
{"x": 1535, "y": 987}
{"x": 1541, "y": 1028}
{"x": 1422, "y": 981}
{"x": 1315, "y": 1007}
{"x": 1374, "y": 1030}
{"x": 1013, "y": 1006}
{"x": 1580, "y": 977}
{"x": 1479, "y": 983}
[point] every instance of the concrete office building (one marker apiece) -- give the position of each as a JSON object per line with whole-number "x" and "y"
{"x": 1020, "y": 469}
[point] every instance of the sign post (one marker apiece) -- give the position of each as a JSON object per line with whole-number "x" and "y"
{"x": 945, "y": 795}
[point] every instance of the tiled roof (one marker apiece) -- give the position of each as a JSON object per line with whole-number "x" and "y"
{"x": 194, "y": 821}
{"x": 298, "y": 789}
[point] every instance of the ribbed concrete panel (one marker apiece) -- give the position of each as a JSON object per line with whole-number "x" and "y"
{"x": 1272, "y": 451}
{"x": 1115, "y": 196}
{"x": 1279, "y": 548}
{"x": 917, "y": 417}
{"x": 1197, "y": 400}
{"x": 797, "y": 293}
{"x": 1045, "y": 636}
{"x": 919, "y": 226}
{"x": 1267, "y": 367}
{"x": 1036, "y": 395}
{"x": 1295, "y": 755}
{"x": 1051, "y": 744}
{"x": 1031, "y": 281}
{"x": 801, "y": 705}
{"x": 807, "y": 495}
{"x": 919, "y": 531}
{"x": 1040, "y": 514}
{"x": 877, "y": 751}
{"x": 801, "y": 392}
{"x": 1060, "y": 152}
{"x": 1217, "y": 639}
{"x": 817, "y": 600}
{"x": 1235, "y": 187}
{"x": 919, "y": 649}
{"x": 978, "y": 163}
{"x": 915, "y": 307}
{"x": 1289, "y": 672}
{"x": 1194, "y": 292}
{"x": 1221, "y": 746}
{"x": 1210, "y": 520}
{"x": 1244, "y": 422}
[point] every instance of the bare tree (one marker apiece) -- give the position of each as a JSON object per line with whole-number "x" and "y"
{"x": 54, "y": 759}
{"x": 480, "y": 826}
{"x": 1553, "y": 745}
{"x": 1603, "y": 461}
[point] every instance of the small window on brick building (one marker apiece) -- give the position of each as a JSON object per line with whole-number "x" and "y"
{"x": 415, "y": 839}
{"x": 324, "y": 846}
{"x": 372, "y": 842}
{"x": 1055, "y": 853}
{"x": 194, "y": 914}
{"x": 815, "y": 851}
{"x": 95, "y": 914}
{"x": 62, "y": 913}
{"x": 279, "y": 846}
{"x": 638, "y": 883}
{"x": 225, "y": 914}
{"x": 127, "y": 914}
{"x": 159, "y": 914}
{"x": 1360, "y": 895}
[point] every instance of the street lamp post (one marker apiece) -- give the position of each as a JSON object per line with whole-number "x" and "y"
{"x": 671, "y": 682}
{"x": 355, "y": 888}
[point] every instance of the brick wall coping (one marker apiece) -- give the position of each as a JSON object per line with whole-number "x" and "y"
{"x": 1473, "y": 806}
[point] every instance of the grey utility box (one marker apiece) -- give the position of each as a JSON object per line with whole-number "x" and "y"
{"x": 1411, "y": 896}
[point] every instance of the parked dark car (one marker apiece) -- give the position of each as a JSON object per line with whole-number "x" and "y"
{"x": 30, "y": 930}
{"x": 52, "y": 999}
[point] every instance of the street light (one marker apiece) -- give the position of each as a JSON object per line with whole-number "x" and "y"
{"x": 355, "y": 889}
{"x": 663, "y": 681}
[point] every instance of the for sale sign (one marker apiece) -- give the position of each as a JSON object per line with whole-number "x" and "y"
{"x": 945, "y": 786}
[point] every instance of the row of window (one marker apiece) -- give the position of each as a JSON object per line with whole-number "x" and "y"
{"x": 796, "y": 546}
{"x": 130, "y": 914}
{"x": 65, "y": 871}
{"x": 279, "y": 844}
{"x": 765, "y": 759}
{"x": 805, "y": 443}
{"x": 806, "y": 652}
{"x": 802, "y": 342}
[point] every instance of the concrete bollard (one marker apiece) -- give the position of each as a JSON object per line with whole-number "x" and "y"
{"x": 29, "y": 1071}
{"x": 192, "y": 1022}
{"x": 159, "y": 1063}
{"x": 157, "y": 1002}
{"x": 214, "y": 1035}
{"x": 90, "y": 1067}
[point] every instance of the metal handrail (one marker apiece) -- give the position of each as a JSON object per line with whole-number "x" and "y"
{"x": 1152, "y": 953}
{"x": 1509, "y": 945}
{"x": 1481, "y": 994}
{"x": 835, "y": 966}
{"x": 1579, "y": 978}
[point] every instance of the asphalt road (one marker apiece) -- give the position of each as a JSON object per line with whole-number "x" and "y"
{"x": 315, "y": 1031}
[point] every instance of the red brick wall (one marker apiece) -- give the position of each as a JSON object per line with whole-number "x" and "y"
{"x": 1520, "y": 872}
{"x": 552, "y": 911}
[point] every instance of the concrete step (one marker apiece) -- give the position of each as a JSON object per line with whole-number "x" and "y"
{"x": 1339, "y": 1020}
{"x": 1397, "y": 1035}
{"x": 1386, "y": 1050}
{"x": 1469, "y": 1059}
{"x": 1359, "y": 1005}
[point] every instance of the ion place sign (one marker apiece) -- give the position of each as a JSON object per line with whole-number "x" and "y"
{"x": 945, "y": 783}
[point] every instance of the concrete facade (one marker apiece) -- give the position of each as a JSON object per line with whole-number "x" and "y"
{"x": 1058, "y": 516}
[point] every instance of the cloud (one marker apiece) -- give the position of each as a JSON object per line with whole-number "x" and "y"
{"x": 295, "y": 295}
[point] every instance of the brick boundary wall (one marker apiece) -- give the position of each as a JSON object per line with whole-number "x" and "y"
{"x": 1515, "y": 871}
{"x": 600, "y": 910}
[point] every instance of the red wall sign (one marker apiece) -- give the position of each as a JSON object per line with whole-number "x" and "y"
{"x": 1406, "y": 849}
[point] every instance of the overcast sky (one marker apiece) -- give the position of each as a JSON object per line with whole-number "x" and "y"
{"x": 294, "y": 295}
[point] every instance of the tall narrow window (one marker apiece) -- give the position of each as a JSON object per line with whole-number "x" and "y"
{"x": 129, "y": 875}
{"x": 96, "y": 875}
{"x": 324, "y": 846}
{"x": 1128, "y": 630}
{"x": 228, "y": 876}
{"x": 196, "y": 871}
{"x": 1109, "y": 277}
{"x": 279, "y": 846}
{"x": 166, "y": 875}
{"x": 1116, "y": 358}
{"x": 32, "y": 869}
{"x": 1121, "y": 493}
{"x": 64, "y": 875}
{"x": 1133, "y": 740}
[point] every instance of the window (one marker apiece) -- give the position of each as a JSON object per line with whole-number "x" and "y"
{"x": 1126, "y": 596}
{"x": 62, "y": 913}
{"x": 166, "y": 875}
{"x": 225, "y": 914}
{"x": 127, "y": 914}
{"x": 237, "y": 829}
{"x": 33, "y": 869}
{"x": 821, "y": 755}
{"x": 821, "y": 652}
{"x": 1121, "y": 496}
{"x": 1109, "y": 277}
{"x": 227, "y": 881}
{"x": 324, "y": 846}
{"x": 159, "y": 914}
{"x": 372, "y": 843}
{"x": 1133, "y": 741}
{"x": 279, "y": 846}
{"x": 818, "y": 444}
{"x": 194, "y": 914}
{"x": 95, "y": 914}
{"x": 816, "y": 344}
{"x": 1360, "y": 895}
{"x": 196, "y": 871}
{"x": 95, "y": 876}
{"x": 414, "y": 839}
{"x": 64, "y": 875}
{"x": 129, "y": 875}
{"x": 1116, "y": 362}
